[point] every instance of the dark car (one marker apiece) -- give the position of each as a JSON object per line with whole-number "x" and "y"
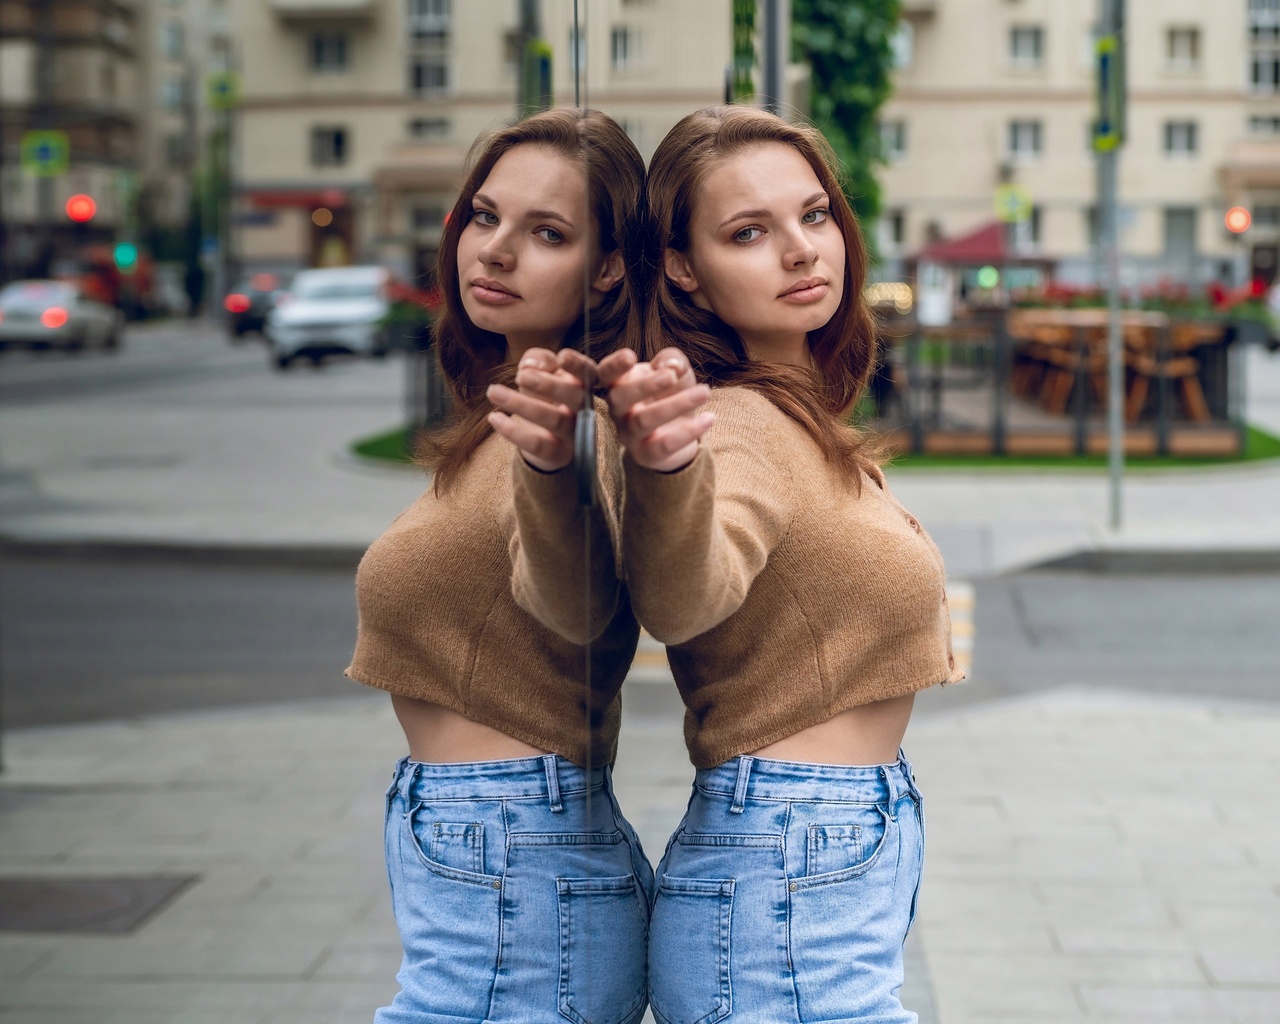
{"x": 249, "y": 302}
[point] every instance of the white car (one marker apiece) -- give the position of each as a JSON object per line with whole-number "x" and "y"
{"x": 336, "y": 310}
{"x": 56, "y": 314}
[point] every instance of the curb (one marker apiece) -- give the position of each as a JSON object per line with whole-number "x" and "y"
{"x": 1166, "y": 561}
{"x": 267, "y": 556}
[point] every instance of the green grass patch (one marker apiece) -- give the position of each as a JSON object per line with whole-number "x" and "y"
{"x": 392, "y": 446}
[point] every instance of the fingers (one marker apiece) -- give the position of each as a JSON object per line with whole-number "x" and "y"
{"x": 558, "y": 387}
{"x": 573, "y": 362}
{"x": 555, "y": 418}
{"x": 647, "y": 417}
{"x": 614, "y": 365}
{"x": 677, "y": 362}
{"x": 674, "y": 445}
{"x": 643, "y": 382}
{"x": 541, "y": 449}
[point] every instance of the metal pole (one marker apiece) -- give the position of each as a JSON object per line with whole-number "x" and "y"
{"x": 42, "y": 116}
{"x": 776, "y": 50}
{"x": 1108, "y": 166}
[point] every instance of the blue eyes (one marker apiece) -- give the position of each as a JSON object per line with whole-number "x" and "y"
{"x": 749, "y": 234}
{"x": 488, "y": 219}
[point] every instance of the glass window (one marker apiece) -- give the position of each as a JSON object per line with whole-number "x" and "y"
{"x": 1180, "y": 235}
{"x": 1265, "y": 74}
{"x": 172, "y": 40}
{"x": 1264, "y": 124}
{"x": 893, "y": 139}
{"x": 891, "y": 232}
{"x": 1026, "y": 139}
{"x": 430, "y": 128}
{"x": 429, "y": 75}
{"x": 576, "y": 53}
{"x": 1264, "y": 20}
{"x": 625, "y": 48}
{"x": 1181, "y": 137}
{"x": 903, "y": 45}
{"x": 328, "y": 146}
{"x": 1182, "y": 49}
{"x": 1026, "y": 46}
{"x": 329, "y": 51}
{"x": 429, "y": 19}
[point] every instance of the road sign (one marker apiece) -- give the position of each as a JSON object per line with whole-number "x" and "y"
{"x": 222, "y": 90}
{"x": 44, "y": 153}
{"x": 1012, "y": 203}
{"x": 1109, "y": 128}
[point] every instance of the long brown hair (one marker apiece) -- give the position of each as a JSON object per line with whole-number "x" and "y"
{"x": 843, "y": 350}
{"x": 471, "y": 358}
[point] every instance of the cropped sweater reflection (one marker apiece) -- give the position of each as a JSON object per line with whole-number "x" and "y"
{"x": 442, "y": 599}
{"x": 785, "y": 594}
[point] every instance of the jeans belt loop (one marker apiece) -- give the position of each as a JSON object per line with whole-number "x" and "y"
{"x": 553, "y": 782}
{"x": 740, "y": 787}
{"x": 891, "y": 784}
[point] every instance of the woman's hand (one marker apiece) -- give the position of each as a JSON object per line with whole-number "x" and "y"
{"x": 655, "y": 406}
{"x": 539, "y": 414}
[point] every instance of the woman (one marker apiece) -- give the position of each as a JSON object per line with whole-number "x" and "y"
{"x": 503, "y": 844}
{"x": 802, "y": 606}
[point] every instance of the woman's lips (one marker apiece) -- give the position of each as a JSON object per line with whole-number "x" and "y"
{"x": 806, "y": 292}
{"x": 491, "y": 293}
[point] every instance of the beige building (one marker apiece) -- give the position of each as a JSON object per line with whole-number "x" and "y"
{"x": 993, "y": 91}
{"x": 357, "y": 115}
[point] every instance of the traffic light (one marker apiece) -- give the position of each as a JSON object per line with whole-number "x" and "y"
{"x": 125, "y": 255}
{"x": 81, "y": 208}
{"x": 1238, "y": 220}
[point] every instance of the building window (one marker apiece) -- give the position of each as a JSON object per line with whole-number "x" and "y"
{"x": 428, "y": 216}
{"x": 624, "y": 48}
{"x": 891, "y": 231}
{"x": 429, "y": 75}
{"x": 1180, "y": 138}
{"x": 172, "y": 40}
{"x": 429, "y": 20}
{"x": 173, "y": 92}
{"x": 176, "y": 151}
{"x": 1265, "y": 73}
{"x": 329, "y": 51}
{"x": 1025, "y": 235}
{"x": 328, "y": 146}
{"x": 903, "y": 45}
{"x": 430, "y": 129}
{"x": 1267, "y": 216}
{"x": 1264, "y": 124}
{"x": 635, "y": 131}
{"x": 1264, "y": 21}
{"x": 1026, "y": 140}
{"x": 893, "y": 140}
{"x": 1026, "y": 46}
{"x": 1180, "y": 236}
{"x": 1182, "y": 49}
{"x": 577, "y": 53}
{"x": 1264, "y": 39}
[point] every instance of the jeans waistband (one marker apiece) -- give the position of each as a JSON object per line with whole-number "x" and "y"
{"x": 550, "y": 776}
{"x": 747, "y": 777}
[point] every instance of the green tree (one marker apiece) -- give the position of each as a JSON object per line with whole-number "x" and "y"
{"x": 848, "y": 45}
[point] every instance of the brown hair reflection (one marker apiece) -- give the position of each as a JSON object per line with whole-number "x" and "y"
{"x": 843, "y": 350}
{"x": 472, "y": 358}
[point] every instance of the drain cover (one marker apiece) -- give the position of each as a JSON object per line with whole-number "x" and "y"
{"x": 88, "y": 905}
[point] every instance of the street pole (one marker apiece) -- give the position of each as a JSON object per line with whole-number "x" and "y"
{"x": 1108, "y": 137}
{"x": 775, "y": 40}
{"x": 42, "y": 117}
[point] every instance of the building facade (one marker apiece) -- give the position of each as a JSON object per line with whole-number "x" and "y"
{"x": 352, "y": 136}
{"x": 992, "y": 92}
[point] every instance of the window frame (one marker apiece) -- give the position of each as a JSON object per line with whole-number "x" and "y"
{"x": 329, "y": 51}
{"x": 1022, "y": 62}
{"x": 337, "y": 151}
{"x": 1036, "y": 152}
{"x": 1188, "y": 132}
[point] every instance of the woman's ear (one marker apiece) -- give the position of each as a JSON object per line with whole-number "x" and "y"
{"x": 676, "y": 266}
{"x": 612, "y": 270}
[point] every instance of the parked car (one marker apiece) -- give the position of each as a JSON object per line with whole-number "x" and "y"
{"x": 249, "y": 302}
{"x": 56, "y": 314}
{"x": 333, "y": 311}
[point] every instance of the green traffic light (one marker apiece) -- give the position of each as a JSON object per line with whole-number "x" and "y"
{"x": 125, "y": 255}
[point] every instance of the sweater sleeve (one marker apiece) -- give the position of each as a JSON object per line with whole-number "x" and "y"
{"x": 694, "y": 540}
{"x": 554, "y": 577}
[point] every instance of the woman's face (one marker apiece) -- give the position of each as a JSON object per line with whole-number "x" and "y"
{"x": 765, "y": 254}
{"x": 522, "y": 253}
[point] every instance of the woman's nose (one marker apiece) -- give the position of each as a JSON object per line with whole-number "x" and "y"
{"x": 800, "y": 254}
{"x": 497, "y": 253}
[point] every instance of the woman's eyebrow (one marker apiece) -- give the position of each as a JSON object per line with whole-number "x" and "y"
{"x": 764, "y": 214}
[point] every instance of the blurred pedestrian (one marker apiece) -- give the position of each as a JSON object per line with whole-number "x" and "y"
{"x": 520, "y": 892}
{"x": 801, "y": 604}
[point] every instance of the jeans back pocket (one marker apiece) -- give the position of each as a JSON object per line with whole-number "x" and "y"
{"x": 689, "y": 981}
{"x": 602, "y": 949}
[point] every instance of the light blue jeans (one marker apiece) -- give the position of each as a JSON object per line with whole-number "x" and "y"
{"x": 785, "y": 895}
{"x": 520, "y": 892}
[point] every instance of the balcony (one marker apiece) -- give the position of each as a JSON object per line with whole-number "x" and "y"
{"x": 322, "y": 10}
{"x": 1251, "y": 164}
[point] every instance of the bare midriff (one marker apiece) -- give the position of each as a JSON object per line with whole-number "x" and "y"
{"x": 869, "y": 734}
{"x": 439, "y": 735}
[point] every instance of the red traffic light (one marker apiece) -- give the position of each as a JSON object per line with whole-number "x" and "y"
{"x": 81, "y": 208}
{"x": 236, "y": 303}
{"x": 1238, "y": 220}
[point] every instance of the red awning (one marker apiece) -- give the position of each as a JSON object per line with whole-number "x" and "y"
{"x": 265, "y": 199}
{"x": 985, "y": 246}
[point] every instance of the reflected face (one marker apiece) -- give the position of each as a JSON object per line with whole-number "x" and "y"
{"x": 522, "y": 253}
{"x": 765, "y": 254}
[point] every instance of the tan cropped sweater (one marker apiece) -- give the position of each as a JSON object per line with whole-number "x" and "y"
{"x": 439, "y": 618}
{"x": 784, "y": 596}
